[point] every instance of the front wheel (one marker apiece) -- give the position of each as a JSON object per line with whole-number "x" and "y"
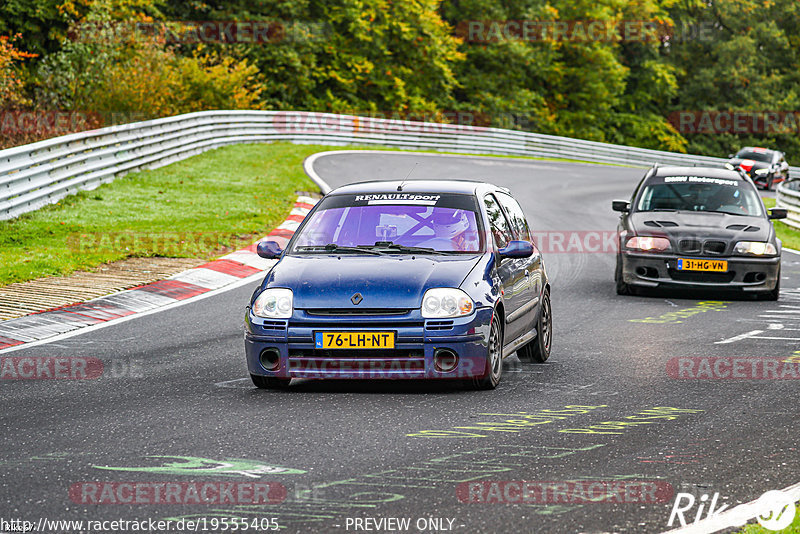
{"x": 538, "y": 350}
{"x": 621, "y": 286}
{"x": 494, "y": 358}
{"x": 775, "y": 293}
{"x": 269, "y": 382}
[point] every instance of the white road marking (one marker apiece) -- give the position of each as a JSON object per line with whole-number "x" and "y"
{"x": 740, "y": 337}
{"x": 231, "y": 383}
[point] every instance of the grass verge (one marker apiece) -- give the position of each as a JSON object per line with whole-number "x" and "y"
{"x": 201, "y": 207}
{"x": 788, "y": 235}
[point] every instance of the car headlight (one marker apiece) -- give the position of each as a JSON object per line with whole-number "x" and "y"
{"x": 762, "y": 171}
{"x": 656, "y": 244}
{"x": 729, "y": 166}
{"x": 275, "y": 303}
{"x": 755, "y": 248}
{"x": 443, "y": 302}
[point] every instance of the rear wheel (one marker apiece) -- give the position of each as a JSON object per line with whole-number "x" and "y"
{"x": 270, "y": 382}
{"x": 538, "y": 350}
{"x": 494, "y": 358}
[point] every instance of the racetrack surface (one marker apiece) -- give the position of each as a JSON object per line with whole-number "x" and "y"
{"x": 175, "y": 384}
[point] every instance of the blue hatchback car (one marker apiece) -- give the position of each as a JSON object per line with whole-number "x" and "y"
{"x": 419, "y": 279}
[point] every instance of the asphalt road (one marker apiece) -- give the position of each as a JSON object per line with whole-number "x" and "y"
{"x": 175, "y": 385}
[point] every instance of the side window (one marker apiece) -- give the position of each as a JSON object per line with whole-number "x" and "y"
{"x": 517, "y": 217}
{"x": 500, "y": 228}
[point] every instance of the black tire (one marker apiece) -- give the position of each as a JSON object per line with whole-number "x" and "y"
{"x": 269, "y": 382}
{"x": 494, "y": 358}
{"x": 622, "y": 287}
{"x": 538, "y": 350}
{"x": 769, "y": 183}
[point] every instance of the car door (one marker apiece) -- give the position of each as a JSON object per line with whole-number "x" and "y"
{"x": 510, "y": 270}
{"x": 531, "y": 266}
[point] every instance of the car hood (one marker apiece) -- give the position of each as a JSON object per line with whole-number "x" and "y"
{"x": 749, "y": 164}
{"x": 391, "y": 281}
{"x": 683, "y": 224}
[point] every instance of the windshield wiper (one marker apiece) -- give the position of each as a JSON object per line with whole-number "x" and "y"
{"x": 333, "y": 247}
{"x": 727, "y": 213}
{"x": 411, "y": 250}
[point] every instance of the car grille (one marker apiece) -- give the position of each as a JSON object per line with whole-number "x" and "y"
{"x": 359, "y": 360}
{"x": 277, "y": 326}
{"x": 335, "y": 312}
{"x": 439, "y": 325}
{"x": 690, "y": 246}
{"x": 356, "y": 353}
{"x": 350, "y": 324}
{"x": 701, "y": 277}
{"x": 714, "y": 247}
{"x": 695, "y": 246}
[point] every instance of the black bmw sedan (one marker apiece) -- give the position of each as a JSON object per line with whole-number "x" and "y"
{"x": 695, "y": 227}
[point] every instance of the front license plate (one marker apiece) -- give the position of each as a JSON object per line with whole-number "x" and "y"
{"x": 354, "y": 340}
{"x": 685, "y": 264}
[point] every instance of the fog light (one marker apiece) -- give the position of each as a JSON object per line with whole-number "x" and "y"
{"x": 270, "y": 359}
{"x": 445, "y": 360}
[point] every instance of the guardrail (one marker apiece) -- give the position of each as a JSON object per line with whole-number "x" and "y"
{"x": 34, "y": 175}
{"x": 788, "y": 196}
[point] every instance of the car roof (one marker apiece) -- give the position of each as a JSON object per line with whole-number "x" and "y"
{"x": 708, "y": 172}
{"x": 757, "y": 149}
{"x": 468, "y": 187}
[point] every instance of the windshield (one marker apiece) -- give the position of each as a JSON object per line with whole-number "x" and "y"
{"x": 699, "y": 193}
{"x": 764, "y": 156}
{"x": 392, "y": 223}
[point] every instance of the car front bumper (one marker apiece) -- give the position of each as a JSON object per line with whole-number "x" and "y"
{"x": 417, "y": 343}
{"x": 660, "y": 270}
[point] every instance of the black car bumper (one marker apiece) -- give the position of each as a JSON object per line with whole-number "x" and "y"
{"x": 660, "y": 270}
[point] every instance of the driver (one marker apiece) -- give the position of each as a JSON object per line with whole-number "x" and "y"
{"x": 727, "y": 199}
{"x": 454, "y": 226}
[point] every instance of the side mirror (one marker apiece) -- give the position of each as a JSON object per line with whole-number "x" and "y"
{"x": 517, "y": 249}
{"x": 778, "y": 213}
{"x": 730, "y": 156}
{"x": 621, "y": 205}
{"x": 269, "y": 250}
